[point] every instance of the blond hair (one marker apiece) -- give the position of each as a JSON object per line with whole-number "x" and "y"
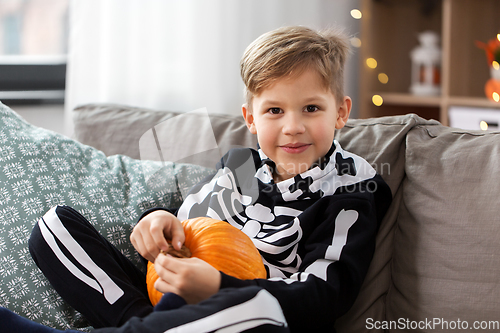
{"x": 287, "y": 51}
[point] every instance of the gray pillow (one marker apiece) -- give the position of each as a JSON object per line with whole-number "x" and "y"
{"x": 40, "y": 169}
{"x": 446, "y": 262}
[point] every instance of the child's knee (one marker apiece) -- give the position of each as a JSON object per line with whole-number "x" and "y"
{"x": 56, "y": 217}
{"x": 67, "y": 214}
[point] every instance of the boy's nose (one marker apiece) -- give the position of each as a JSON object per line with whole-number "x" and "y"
{"x": 293, "y": 125}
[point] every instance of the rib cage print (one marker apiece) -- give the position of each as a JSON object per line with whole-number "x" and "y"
{"x": 271, "y": 216}
{"x": 274, "y": 231}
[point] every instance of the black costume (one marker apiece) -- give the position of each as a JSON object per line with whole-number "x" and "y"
{"x": 315, "y": 232}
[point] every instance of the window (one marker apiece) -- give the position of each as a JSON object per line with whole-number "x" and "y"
{"x": 33, "y": 48}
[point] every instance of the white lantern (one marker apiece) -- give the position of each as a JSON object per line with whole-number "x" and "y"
{"x": 426, "y": 65}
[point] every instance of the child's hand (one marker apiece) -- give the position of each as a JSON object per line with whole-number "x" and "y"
{"x": 150, "y": 235}
{"x": 192, "y": 278}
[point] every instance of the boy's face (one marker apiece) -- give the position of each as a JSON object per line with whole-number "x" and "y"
{"x": 295, "y": 120}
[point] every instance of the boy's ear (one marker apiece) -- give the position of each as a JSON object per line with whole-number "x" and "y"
{"x": 343, "y": 112}
{"x": 247, "y": 114}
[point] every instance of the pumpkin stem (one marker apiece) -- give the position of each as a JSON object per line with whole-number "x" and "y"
{"x": 184, "y": 252}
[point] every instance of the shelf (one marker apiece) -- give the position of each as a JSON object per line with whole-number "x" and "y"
{"x": 411, "y": 100}
{"x": 473, "y": 101}
{"x": 436, "y": 101}
{"x": 463, "y": 69}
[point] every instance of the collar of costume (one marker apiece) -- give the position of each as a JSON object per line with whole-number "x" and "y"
{"x": 267, "y": 166}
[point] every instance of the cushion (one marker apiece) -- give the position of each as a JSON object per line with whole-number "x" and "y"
{"x": 446, "y": 259}
{"x": 118, "y": 129}
{"x": 40, "y": 169}
{"x": 382, "y": 142}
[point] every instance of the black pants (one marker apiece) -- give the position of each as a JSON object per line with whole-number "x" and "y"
{"x": 110, "y": 291}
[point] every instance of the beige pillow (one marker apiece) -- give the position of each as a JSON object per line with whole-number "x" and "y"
{"x": 118, "y": 129}
{"x": 446, "y": 261}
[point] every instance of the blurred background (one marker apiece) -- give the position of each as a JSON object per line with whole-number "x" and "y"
{"x": 160, "y": 54}
{"x": 435, "y": 58}
{"x": 33, "y": 59}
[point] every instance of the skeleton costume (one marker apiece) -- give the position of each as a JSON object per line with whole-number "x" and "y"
{"x": 315, "y": 232}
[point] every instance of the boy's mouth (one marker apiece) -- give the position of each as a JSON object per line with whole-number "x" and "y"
{"x": 295, "y": 148}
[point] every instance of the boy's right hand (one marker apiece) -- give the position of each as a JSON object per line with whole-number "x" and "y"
{"x": 150, "y": 234}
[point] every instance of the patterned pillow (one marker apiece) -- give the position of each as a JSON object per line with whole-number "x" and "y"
{"x": 40, "y": 169}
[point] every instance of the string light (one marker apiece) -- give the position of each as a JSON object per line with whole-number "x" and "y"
{"x": 496, "y": 96}
{"x": 377, "y": 100}
{"x": 383, "y": 78}
{"x": 498, "y": 37}
{"x": 356, "y": 13}
{"x": 495, "y": 65}
{"x": 483, "y": 125}
{"x": 372, "y": 63}
{"x": 356, "y": 42}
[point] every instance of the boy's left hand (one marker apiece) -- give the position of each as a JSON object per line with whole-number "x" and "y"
{"x": 191, "y": 278}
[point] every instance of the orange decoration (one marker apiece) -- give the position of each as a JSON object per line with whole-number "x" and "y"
{"x": 221, "y": 245}
{"x": 492, "y": 90}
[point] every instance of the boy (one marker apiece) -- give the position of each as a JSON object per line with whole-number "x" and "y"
{"x": 311, "y": 208}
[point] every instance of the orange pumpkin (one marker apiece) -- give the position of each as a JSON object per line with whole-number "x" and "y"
{"x": 492, "y": 90}
{"x": 221, "y": 245}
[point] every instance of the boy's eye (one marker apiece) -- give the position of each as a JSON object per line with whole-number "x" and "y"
{"x": 274, "y": 110}
{"x": 311, "y": 108}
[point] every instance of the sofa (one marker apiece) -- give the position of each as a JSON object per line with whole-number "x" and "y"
{"x": 437, "y": 259}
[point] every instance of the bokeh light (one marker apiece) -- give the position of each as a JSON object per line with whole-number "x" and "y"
{"x": 356, "y": 42}
{"x": 383, "y": 78}
{"x": 377, "y": 100}
{"x": 372, "y": 63}
{"x": 356, "y": 13}
{"x": 483, "y": 125}
{"x": 496, "y": 96}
